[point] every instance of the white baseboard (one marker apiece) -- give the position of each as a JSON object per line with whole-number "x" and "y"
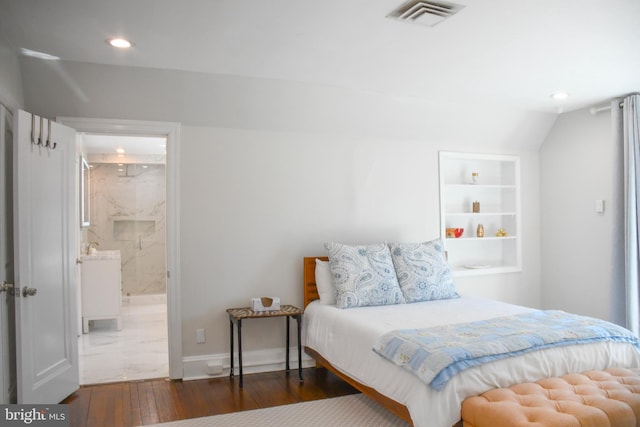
{"x": 196, "y": 367}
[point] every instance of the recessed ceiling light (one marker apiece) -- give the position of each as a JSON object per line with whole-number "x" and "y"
{"x": 120, "y": 43}
{"x": 560, "y": 95}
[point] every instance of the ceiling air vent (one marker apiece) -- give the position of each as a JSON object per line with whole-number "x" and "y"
{"x": 428, "y": 13}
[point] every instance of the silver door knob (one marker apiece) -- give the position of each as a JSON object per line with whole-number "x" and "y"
{"x": 29, "y": 292}
{"x": 5, "y": 287}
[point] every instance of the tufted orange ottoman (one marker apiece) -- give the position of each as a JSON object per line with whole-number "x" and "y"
{"x": 591, "y": 399}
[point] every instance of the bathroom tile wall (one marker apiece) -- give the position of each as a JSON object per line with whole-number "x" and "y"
{"x": 128, "y": 214}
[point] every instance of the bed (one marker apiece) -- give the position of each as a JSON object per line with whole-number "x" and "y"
{"x": 341, "y": 340}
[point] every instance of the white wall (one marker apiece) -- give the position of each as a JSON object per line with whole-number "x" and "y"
{"x": 581, "y": 270}
{"x": 65, "y": 88}
{"x": 10, "y": 80}
{"x": 270, "y": 170}
{"x": 254, "y": 203}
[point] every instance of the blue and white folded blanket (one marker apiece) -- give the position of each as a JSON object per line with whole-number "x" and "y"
{"x": 436, "y": 354}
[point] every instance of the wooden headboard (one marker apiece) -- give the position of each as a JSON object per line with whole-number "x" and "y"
{"x": 310, "y": 289}
{"x": 311, "y": 294}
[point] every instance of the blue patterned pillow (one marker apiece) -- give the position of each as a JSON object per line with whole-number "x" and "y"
{"x": 363, "y": 275}
{"x": 422, "y": 270}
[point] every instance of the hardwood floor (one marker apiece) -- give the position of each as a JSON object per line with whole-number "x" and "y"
{"x": 137, "y": 403}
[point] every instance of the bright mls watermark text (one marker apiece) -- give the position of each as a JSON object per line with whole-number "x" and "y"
{"x": 34, "y": 415}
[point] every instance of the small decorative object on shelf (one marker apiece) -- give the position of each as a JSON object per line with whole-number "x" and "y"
{"x": 474, "y": 177}
{"x": 501, "y": 233}
{"x": 480, "y": 231}
{"x": 476, "y": 207}
{"x": 454, "y": 232}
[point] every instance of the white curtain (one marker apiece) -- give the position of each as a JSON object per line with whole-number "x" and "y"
{"x": 631, "y": 139}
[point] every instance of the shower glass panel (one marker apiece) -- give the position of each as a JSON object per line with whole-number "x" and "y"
{"x": 128, "y": 214}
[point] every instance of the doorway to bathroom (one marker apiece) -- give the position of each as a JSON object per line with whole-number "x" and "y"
{"x": 123, "y": 241}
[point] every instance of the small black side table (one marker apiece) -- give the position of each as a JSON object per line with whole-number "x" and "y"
{"x": 237, "y": 314}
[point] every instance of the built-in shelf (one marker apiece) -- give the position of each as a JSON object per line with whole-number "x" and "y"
{"x": 134, "y": 229}
{"x": 497, "y": 190}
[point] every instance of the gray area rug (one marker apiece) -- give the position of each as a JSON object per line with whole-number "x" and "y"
{"x": 347, "y": 411}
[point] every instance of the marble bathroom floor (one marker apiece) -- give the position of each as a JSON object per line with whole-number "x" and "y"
{"x": 138, "y": 351}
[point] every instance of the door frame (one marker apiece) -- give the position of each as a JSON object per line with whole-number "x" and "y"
{"x": 7, "y": 325}
{"x": 170, "y": 130}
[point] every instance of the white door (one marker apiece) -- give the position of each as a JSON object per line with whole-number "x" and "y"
{"x": 45, "y": 268}
{"x": 7, "y": 333}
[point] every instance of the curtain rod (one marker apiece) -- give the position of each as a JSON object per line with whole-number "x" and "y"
{"x": 596, "y": 110}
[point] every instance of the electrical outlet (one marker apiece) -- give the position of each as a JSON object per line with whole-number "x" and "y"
{"x": 200, "y": 339}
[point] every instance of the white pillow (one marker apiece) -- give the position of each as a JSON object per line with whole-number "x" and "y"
{"x": 363, "y": 275}
{"x": 324, "y": 283}
{"x": 422, "y": 270}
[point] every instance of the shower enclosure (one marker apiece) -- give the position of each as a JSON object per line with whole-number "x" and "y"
{"x": 128, "y": 214}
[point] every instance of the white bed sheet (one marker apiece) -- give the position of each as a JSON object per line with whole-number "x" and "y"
{"x": 345, "y": 337}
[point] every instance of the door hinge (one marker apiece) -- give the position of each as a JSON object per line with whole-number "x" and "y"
{"x": 6, "y": 287}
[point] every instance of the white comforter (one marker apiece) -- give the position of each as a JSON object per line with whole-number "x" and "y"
{"x": 345, "y": 337}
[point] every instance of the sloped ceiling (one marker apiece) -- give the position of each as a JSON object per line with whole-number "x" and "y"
{"x": 503, "y": 52}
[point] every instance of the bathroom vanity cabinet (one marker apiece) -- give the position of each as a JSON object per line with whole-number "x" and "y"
{"x": 101, "y": 284}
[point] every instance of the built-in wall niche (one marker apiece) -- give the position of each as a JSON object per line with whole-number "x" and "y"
{"x": 134, "y": 229}
{"x": 480, "y": 197}
{"x": 132, "y": 170}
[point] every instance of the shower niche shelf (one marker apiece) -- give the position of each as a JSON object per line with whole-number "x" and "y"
{"x": 133, "y": 229}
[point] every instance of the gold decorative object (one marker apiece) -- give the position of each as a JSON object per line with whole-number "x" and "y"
{"x": 480, "y": 231}
{"x": 501, "y": 233}
{"x": 476, "y": 207}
